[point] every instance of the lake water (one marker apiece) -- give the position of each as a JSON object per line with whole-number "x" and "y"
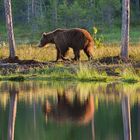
{"x": 69, "y": 111}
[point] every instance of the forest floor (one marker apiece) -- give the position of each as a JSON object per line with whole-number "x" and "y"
{"x": 39, "y": 63}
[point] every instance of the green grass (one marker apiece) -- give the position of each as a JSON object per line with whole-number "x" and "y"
{"x": 54, "y": 73}
{"x": 59, "y": 73}
{"x": 28, "y": 52}
{"x": 87, "y": 73}
{"x": 113, "y": 35}
{"x": 129, "y": 76}
{"x": 81, "y": 73}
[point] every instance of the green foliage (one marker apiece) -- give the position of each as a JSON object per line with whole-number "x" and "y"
{"x": 72, "y": 16}
{"x": 69, "y": 13}
{"x": 98, "y": 39}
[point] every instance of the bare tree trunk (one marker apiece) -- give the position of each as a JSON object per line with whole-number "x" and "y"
{"x": 126, "y": 118}
{"x": 41, "y": 8}
{"x": 138, "y": 5}
{"x": 33, "y": 16}
{"x": 9, "y": 25}
{"x": 28, "y": 11}
{"x": 33, "y": 8}
{"x": 55, "y": 13}
{"x": 44, "y": 6}
{"x": 12, "y": 114}
{"x": 125, "y": 28}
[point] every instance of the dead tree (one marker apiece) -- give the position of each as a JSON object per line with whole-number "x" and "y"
{"x": 125, "y": 29}
{"x": 9, "y": 25}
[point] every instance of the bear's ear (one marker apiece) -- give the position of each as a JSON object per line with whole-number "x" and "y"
{"x": 44, "y": 34}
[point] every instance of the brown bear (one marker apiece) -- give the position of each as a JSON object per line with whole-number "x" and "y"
{"x": 76, "y": 38}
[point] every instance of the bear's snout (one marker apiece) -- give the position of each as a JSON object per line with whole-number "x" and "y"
{"x": 39, "y": 45}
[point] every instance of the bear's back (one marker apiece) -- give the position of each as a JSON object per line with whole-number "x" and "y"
{"x": 74, "y": 32}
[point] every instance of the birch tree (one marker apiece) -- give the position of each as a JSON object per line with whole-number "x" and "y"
{"x": 9, "y": 25}
{"x": 125, "y": 29}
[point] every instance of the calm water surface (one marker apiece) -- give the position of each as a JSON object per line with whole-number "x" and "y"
{"x": 69, "y": 111}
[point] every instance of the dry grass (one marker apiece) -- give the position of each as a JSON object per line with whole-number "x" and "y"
{"x": 49, "y": 53}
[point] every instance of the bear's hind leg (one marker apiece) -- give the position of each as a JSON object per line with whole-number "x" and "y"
{"x": 87, "y": 51}
{"x": 66, "y": 52}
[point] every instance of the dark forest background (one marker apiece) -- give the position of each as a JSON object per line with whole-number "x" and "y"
{"x": 45, "y": 15}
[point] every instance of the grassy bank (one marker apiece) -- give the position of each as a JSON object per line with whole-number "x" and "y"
{"x": 74, "y": 73}
{"x": 71, "y": 71}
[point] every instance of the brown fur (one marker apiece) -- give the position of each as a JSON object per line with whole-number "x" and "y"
{"x": 77, "y": 39}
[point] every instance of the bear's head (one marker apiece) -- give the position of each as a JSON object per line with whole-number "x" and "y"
{"x": 44, "y": 40}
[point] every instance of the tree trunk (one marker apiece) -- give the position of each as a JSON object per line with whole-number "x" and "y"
{"x": 28, "y": 11}
{"x": 54, "y": 4}
{"x": 138, "y": 5}
{"x": 33, "y": 8}
{"x": 125, "y": 28}
{"x": 9, "y": 25}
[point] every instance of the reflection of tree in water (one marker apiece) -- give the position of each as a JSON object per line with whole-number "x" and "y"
{"x": 138, "y": 118}
{"x": 126, "y": 117}
{"x": 66, "y": 110}
{"x": 12, "y": 112}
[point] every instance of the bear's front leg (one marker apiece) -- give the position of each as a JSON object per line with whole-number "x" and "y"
{"x": 58, "y": 58}
{"x": 76, "y": 55}
{"x": 64, "y": 53}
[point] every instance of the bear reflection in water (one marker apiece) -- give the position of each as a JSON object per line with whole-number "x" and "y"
{"x": 64, "y": 110}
